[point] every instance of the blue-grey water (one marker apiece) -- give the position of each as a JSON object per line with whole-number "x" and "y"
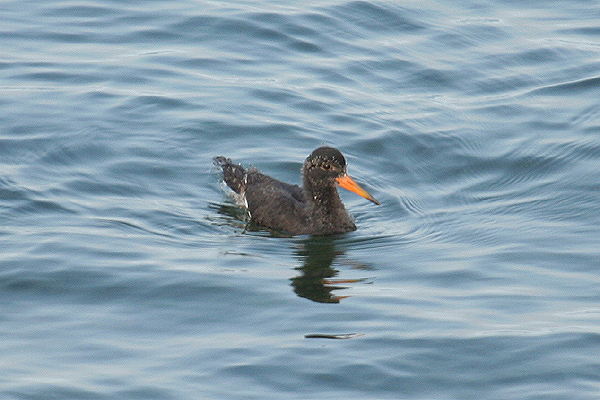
{"x": 127, "y": 271}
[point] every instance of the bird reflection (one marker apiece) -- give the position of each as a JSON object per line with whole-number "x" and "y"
{"x": 317, "y": 254}
{"x": 317, "y": 280}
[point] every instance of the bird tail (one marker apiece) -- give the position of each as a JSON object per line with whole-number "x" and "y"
{"x": 233, "y": 174}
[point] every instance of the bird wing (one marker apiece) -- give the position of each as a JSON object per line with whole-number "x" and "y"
{"x": 275, "y": 204}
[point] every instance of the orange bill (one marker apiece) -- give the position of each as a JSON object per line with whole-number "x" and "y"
{"x": 349, "y": 184}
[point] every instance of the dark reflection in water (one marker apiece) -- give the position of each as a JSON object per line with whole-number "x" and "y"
{"x": 317, "y": 254}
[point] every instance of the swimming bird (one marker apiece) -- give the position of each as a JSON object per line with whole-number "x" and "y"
{"x": 315, "y": 208}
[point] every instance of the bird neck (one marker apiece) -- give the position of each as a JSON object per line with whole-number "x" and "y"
{"x": 325, "y": 197}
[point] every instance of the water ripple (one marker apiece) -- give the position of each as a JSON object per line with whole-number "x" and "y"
{"x": 475, "y": 125}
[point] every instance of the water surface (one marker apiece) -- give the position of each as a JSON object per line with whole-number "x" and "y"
{"x": 127, "y": 272}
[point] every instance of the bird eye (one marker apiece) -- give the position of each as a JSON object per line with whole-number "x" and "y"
{"x": 326, "y": 166}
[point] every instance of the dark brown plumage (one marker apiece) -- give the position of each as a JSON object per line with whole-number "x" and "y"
{"x": 315, "y": 208}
